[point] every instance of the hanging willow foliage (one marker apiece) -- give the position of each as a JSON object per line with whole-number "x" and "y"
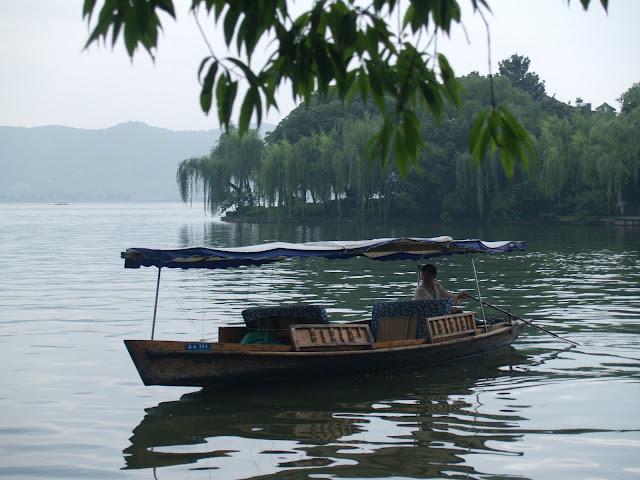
{"x": 226, "y": 175}
{"x": 589, "y": 162}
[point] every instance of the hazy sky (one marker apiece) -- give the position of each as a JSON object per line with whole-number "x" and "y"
{"x": 47, "y": 78}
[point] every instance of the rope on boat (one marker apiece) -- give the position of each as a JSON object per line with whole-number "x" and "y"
{"x": 185, "y": 311}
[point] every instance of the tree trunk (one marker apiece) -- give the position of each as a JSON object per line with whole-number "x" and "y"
{"x": 620, "y": 202}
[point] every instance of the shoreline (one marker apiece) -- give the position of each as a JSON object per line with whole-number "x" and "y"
{"x": 624, "y": 221}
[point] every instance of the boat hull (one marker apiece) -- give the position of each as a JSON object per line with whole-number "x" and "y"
{"x": 202, "y": 364}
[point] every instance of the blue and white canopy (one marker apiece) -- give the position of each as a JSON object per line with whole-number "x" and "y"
{"x": 376, "y": 249}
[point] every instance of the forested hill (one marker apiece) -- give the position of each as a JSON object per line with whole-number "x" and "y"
{"x": 316, "y": 163}
{"x": 130, "y": 161}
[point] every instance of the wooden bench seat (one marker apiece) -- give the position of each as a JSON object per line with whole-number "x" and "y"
{"x": 448, "y": 327}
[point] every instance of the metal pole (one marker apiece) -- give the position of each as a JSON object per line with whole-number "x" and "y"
{"x": 475, "y": 274}
{"x": 155, "y": 306}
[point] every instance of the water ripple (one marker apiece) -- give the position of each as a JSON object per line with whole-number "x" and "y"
{"x": 73, "y": 406}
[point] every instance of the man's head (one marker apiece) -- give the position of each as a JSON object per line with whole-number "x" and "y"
{"x": 428, "y": 273}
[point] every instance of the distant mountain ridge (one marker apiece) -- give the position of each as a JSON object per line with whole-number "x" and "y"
{"x": 130, "y": 161}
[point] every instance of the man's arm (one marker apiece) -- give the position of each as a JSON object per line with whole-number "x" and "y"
{"x": 444, "y": 293}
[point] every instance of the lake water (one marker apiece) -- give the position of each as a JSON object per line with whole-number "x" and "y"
{"x": 72, "y": 404}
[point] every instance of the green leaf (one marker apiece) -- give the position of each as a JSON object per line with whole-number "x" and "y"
{"x": 409, "y": 16}
{"x": 476, "y": 129}
{"x": 381, "y": 140}
{"x": 452, "y": 87}
{"x": 433, "y": 98}
{"x": 221, "y": 97}
{"x": 229, "y": 101}
{"x": 167, "y": 6}
{"x": 130, "y": 31}
{"x": 354, "y": 89}
{"x": 363, "y": 84}
{"x": 230, "y": 20}
{"x": 480, "y": 137}
{"x": 268, "y": 85}
{"x": 413, "y": 140}
{"x": 248, "y": 74}
{"x": 371, "y": 38}
{"x": 401, "y": 151}
{"x": 251, "y": 99}
{"x": 316, "y": 14}
{"x": 203, "y": 63}
{"x": 492, "y": 125}
{"x": 508, "y": 162}
{"x": 87, "y": 8}
{"x": 206, "y": 94}
{"x": 375, "y": 80}
{"x": 115, "y": 32}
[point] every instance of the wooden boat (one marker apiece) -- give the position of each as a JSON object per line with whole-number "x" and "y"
{"x": 307, "y": 349}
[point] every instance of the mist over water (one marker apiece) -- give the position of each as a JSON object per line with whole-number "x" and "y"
{"x": 72, "y": 404}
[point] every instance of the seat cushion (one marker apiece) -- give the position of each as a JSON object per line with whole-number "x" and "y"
{"x": 254, "y": 316}
{"x": 422, "y": 309}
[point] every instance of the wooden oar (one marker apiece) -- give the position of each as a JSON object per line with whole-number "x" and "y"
{"x": 531, "y": 324}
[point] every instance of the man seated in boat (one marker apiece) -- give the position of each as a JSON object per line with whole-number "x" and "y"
{"x": 430, "y": 288}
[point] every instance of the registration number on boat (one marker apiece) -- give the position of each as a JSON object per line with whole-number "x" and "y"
{"x": 198, "y": 347}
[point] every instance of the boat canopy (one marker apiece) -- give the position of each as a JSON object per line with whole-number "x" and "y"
{"x": 376, "y": 249}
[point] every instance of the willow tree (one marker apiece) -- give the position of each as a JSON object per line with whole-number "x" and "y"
{"x": 614, "y": 152}
{"x": 226, "y": 175}
{"x": 332, "y": 157}
{"x": 271, "y": 173}
{"x": 319, "y": 172}
{"x": 558, "y": 158}
{"x": 483, "y": 181}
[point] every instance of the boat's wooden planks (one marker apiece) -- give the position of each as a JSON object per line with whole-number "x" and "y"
{"x": 331, "y": 337}
{"x": 399, "y": 343}
{"x": 168, "y": 346}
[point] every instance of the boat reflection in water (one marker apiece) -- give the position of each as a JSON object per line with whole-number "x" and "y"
{"x": 407, "y": 423}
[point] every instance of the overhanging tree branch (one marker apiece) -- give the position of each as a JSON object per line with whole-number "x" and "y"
{"x": 326, "y": 47}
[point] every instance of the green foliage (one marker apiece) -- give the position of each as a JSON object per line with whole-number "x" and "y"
{"x": 321, "y": 114}
{"x": 516, "y": 69}
{"x": 631, "y": 98}
{"x": 337, "y": 45}
{"x": 589, "y": 164}
{"x": 591, "y": 156}
{"x": 498, "y": 129}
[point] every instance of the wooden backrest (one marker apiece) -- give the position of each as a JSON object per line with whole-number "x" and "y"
{"x": 397, "y": 328}
{"x": 330, "y": 337}
{"x": 447, "y": 327}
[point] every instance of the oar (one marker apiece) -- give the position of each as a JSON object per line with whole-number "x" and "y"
{"x": 531, "y": 324}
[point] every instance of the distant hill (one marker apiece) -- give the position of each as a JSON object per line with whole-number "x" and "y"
{"x": 129, "y": 161}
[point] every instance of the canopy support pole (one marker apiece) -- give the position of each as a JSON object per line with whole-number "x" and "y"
{"x": 155, "y": 306}
{"x": 475, "y": 274}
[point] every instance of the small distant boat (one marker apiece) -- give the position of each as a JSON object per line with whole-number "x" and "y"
{"x": 61, "y": 203}
{"x": 298, "y": 342}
